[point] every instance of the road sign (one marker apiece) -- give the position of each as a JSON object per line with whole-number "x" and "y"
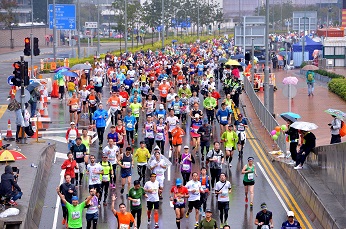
{"x": 26, "y": 96}
{"x": 9, "y": 82}
{"x": 255, "y": 32}
{"x": 307, "y": 19}
{"x": 65, "y": 16}
{"x": 90, "y": 25}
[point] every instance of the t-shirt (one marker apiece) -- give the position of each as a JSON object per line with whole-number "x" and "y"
{"x": 287, "y": 225}
{"x": 135, "y": 107}
{"x": 158, "y": 170}
{"x": 264, "y": 217}
{"x": 191, "y": 186}
{"x": 75, "y": 214}
{"x": 208, "y": 225}
{"x": 179, "y": 190}
{"x": 215, "y": 155}
{"x": 94, "y": 178}
{"x": 172, "y": 122}
{"x": 137, "y": 195}
{"x": 124, "y": 220}
{"x": 112, "y": 153}
{"x": 129, "y": 123}
{"x": 154, "y": 196}
{"x": 224, "y": 188}
{"x": 240, "y": 124}
{"x": 78, "y": 152}
{"x": 142, "y": 156}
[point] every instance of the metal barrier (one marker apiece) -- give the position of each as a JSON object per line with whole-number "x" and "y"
{"x": 266, "y": 118}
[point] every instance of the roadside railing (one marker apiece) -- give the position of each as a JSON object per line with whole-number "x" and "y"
{"x": 266, "y": 118}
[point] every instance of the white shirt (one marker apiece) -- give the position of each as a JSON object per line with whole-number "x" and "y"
{"x": 154, "y": 196}
{"x": 224, "y": 196}
{"x": 132, "y": 74}
{"x": 170, "y": 98}
{"x": 172, "y": 122}
{"x": 94, "y": 178}
{"x": 191, "y": 186}
{"x": 112, "y": 153}
{"x": 84, "y": 94}
{"x": 72, "y": 135}
{"x": 158, "y": 170}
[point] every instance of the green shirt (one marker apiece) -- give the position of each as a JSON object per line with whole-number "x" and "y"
{"x": 228, "y": 137}
{"x": 209, "y": 103}
{"x": 208, "y": 225}
{"x": 249, "y": 177}
{"x": 106, "y": 170}
{"x": 136, "y": 194}
{"x": 75, "y": 214}
{"x": 135, "y": 107}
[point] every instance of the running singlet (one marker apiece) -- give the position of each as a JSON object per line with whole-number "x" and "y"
{"x": 160, "y": 134}
{"x": 149, "y": 130}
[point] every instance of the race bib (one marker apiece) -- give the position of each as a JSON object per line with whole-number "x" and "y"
{"x": 180, "y": 200}
{"x": 241, "y": 128}
{"x": 159, "y": 172}
{"x": 127, "y": 165}
{"x": 224, "y": 194}
{"x": 114, "y": 103}
{"x": 224, "y": 119}
{"x": 95, "y": 177}
{"x": 79, "y": 154}
{"x": 92, "y": 101}
{"x": 164, "y": 91}
{"x": 159, "y": 136}
{"x": 124, "y": 226}
{"x": 160, "y": 116}
{"x": 186, "y": 167}
{"x": 265, "y": 227}
{"x": 123, "y": 100}
{"x": 129, "y": 125}
{"x": 75, "y": 215}
{"x": 136, "y": 202}
{"x": 105, "y": 178}
{"x": 250, "y": 176}
{"x": 218, "y": 159}
{"x": 74, "y": 107}
{"x": 136, "y": 111}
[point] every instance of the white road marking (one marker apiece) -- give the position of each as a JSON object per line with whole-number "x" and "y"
{"x": 169, "y": 173}
{"x": 60, "y": 155}
{"x": 273, "y": 187}
{"x": 56, "y": 211}
{"x": 56, "y": 138}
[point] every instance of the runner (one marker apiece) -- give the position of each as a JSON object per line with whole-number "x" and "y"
{"x": 264, "y": 218}
{"x": 124, "y": 97}
{"x": 196, "y": 123}
{"x": 152, "y": 189}
{"x": 195, "y": 189}
{"x": 70, "y": 165}
{"x": 135, "y": 195}
{"x": 170, "y": 97}
{"x": 92, "y": 101}
{"x": 241, "y": 125}
{"x": 136, "y": 110}
{"x": 142, "y": 154}
{"x": 149, "y": 130}
{"x": 178, "y": 196}
{"x": 177, "y": 105}
{"x": 92, "y": 212}
{"x": 160, "y": 113}
{"x": 291, "y": 223}
{"x": 130, "y": 123}
{"x": 94, "y": 170}
{"x": 249, "y": 171}
{"x": 114, "y": 105}
{"x": 206, "y": 133}
{"x": 223, "y": 189}
{"x": 112, "y": 151}
{"x": 195, "y": 110}
{"x": 86, "y": 140}
{"x": 164, "y": 89}
{"x": 79, "y": 151}
{"x": 108, "y": 173}
{"x": 71, "y": 135}
{"x": 159, "y": 166}
{"x": 208, "y": 222}
{"x": 84, "y": 95}
{"x": 126, "y": 163}
{"x": 215, "y": 157}
{"x": 177, "y": 140}
{"x": 223, "y": 116}
{"x": 100, "y": 116}
{"x": 73, "y": 104}
{"x": 209, "y": 104}
{"x": 205, "y": 182}
{"x": 230, "y": 138}
{"x": 186, "y": 160}
{"x": 68, "y": 190}
{"x": 125, "y": 219}
{"x": 171, "y": 122}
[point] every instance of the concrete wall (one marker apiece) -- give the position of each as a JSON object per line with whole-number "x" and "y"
{"x": 18, "y": 35}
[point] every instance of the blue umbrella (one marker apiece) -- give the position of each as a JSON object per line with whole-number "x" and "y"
{"x": 290, "y": 116}
{"x": 238, "y": 56}
{"x": 242, "y": 64}
{"x": 70, "y": 74}
{"x": 61, "y": 68}
{"x": 222, "y": 60}
{"x": 59, "y": 75}
{"x": 32, "y": 86}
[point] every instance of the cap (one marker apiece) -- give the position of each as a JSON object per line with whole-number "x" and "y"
{"x": 205, "y": 121}
{"x": 197, "y": 116}
{"x": 240, "y": 115}
{"x": 161, "y": 106}
{"x": 72, "y": 123}
{"x": 157, "y": 148}
{"x": 263, "y": 206}
{"x": 74, "y": 198}
{"x": 164, "y": 78}
{"x": 186, "y": 147}
{"x": 290, "y": 214}
{"x": 208, "y": 210}
{"x": 112, "y": 126}
{"x": 178, "y": 182}
{"x": 250, "y": 158}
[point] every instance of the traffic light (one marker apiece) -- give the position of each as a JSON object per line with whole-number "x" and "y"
{"x": 17, "y": 72}
{"x": 218, "y": 26}
{"x": 36, "y": 49}
{"x": 27, "y": 46}
{"x": 209, "y": 27}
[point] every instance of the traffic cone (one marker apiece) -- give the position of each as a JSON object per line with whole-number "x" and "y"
{"x": 41, "y": 106}
{"x": 45, "y": 111}
{"x": 0, "y": 139}
{"x": 20, "y": 134}
{"x": 33, "y": 125}
{"x": 55, "y": 90}
{"x": 261, "y": 87}
{"x": 9, "y": 136}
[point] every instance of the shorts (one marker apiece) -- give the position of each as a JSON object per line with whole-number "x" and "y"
{"x": 81, "y": 168}
{"x": 123, "y": 107}
{"x": 61, "y": 89}
{"x": 194, "y": 204}
{"x": 120, "y": 145}
{"x": 177, "y": 115}
{"x": 92, "y": 216}
{"x": 176, "y": 145}
{"x": 72, "y": 111}
{"x": 245, "y": 183}
{"x": 240, "y": 141}
{"x": 84, "y": 102}
{"x": 98, "y": 89}
{"x": 163, "y": 99}
{"x": 170, "y": 135}
{"x": 223, "y": 205}
{"x": 179, "y": 206}
{"x": 125, "y": 174}
{"x": 230, "y": 148}
{"x": 224, "y": 124}
{"x": 151, "y": 205}
{"x": 161, "y": 180}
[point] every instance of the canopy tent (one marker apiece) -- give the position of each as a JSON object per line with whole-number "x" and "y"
{"x": 310, "y": 46}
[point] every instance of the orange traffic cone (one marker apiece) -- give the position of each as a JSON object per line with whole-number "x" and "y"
{"x": 9, "y": 136}
{"x": 45, "y": 111}
{"x": 33, "y": 124}
{"x": 55, "y": 90}
{"x": 0, "y": 139}
{"x": 261, "y": 87}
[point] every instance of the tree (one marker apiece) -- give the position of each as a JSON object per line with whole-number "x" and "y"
{"x": 8, "y": 18}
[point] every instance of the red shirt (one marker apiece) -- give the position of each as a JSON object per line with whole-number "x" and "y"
{"x": 216, "y": 96}
{"x": 69, "y": 166}
{"x": 182, "y": 190}
{"x": 120, "y": 131}
{"x": 124, "y": 97}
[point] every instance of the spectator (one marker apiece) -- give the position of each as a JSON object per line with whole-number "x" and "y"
{"x": 308, "y": 145}
{"x": 310, "y": 80}
{"x": 9, "y": 187}
{"x": 335, "y": 127}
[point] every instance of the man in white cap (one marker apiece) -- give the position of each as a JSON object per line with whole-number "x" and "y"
{"x": 160, "y": 113}
{"x": 291, "y": 223}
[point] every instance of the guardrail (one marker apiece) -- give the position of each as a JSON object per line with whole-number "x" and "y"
{"x": 266, "y": 118}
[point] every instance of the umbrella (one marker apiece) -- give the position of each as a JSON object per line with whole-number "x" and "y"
{"x": 290, "y": 116}
{"x": 238, "y": 56}
{"x": 222, "y": 60}
{"x": 61, "y": 68}
{"x": 282, "y": 49}
{"x": 80, "y": 67}
{"x": 310, "y": 67}
{"x": 242, "y": 64}
{"x": 283, "y": 53}
{"x": 70, "y": 74}
{"x": 339, "y": 114}
{"x": 11, "y": 155}
{"x": 59, "y": 75}
{"x": 232, "y": 63}
{"x": 307, "y": 126}
{"x": 290, "y": 80}
{"x": 33, "y": 85}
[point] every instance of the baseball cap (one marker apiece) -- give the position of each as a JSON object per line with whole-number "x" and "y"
{"x": 72, "y": 123}
{"x": 197, "y": 116}
{"x": 164, "y": 78}
{"x": 157, "y": 148}
{"x": 240, "y": 115}
{"x": 74, "y": 198}
{"x": 290, "y": 214}
{"x": 205, "y": 121}
{"x": 208, "y": 210}
{"x": 263, "y": 206}
{"x": 186, "y": 147}
{"x": 161, "y": 106}
{"x": 178, "y": 182}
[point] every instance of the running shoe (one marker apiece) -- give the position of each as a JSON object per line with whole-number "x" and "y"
{"x": 136, "y": 134}
{"x": 187, "y": 214}
{"x": 156, "y": 225}
{"x": 63, "y": 222}
{"x": 196, "y": 225}
{"x": 148, "y": 221}
{"x": 13, "y": 203}
{"x": 133, "y": 141}
{"x": 246, "y": 200}
{"x": 251, "y": 204}
{"x": 122, "y": 191}
{"x": 104, "y": 203}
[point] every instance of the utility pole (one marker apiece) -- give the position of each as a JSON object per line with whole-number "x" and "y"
{"x": 22, "y": 93}
{"x": 252, "y": 62}
{"x": 32, "y": 40}
{"x": 126, "y": 26}
{"x": 78, "y": 50}
{"x": 98, "y": 28}
{"x": 54, "y": 32}
{"x": 266, "y": 68}
{"x": 197, "y": 21}
{"x": 163, "y": 24}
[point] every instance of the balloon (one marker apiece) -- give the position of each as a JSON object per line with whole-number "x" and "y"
{"x": 278, "y": 133}
{"x": 273, "y": 132}
{"x": 283, "y": 127}
{"x": 274, "y": 137}
{"x": 277, "y": 128}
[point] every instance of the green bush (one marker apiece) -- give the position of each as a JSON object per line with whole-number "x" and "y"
{"x": 338, "y": 86}
{"x": 303, "y": 64}
{"x": 331, "y": 75}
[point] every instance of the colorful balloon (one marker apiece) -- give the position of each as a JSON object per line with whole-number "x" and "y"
{"x": 275, "y": 137}
{"x": 273, "y": 132}
{"x": 278, "y": 133}
{"x": 277, "y": 128}
{"x": 283, "y": 127}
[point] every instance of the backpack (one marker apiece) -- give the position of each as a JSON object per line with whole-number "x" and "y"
{"x": 342, "y": 131}
{"x": 310, "y": 77}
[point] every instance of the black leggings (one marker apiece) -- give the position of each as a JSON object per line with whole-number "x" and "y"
{"x": 114, "y": 180}
{"x": 137, "y": 122}
{"x": 149, "y": 142}
{"x": 141, "y": 172}
{"x": 205, "y": 145}
{"x": 215, "y": 175}
{"x": 114, "y": 117}
{"x": 100, "y": 132}
{"x": 293, "y": 150}
{"x": 204, "y": 198}
{"x": 210, "y": 115}
{"x": 186, "y": 177}
{"x": 129, "y": 136}
{"x": 137, "y": 212}
{"x": 64, "y": 212}
{"x": 223, "y": 215}
{"x": 104, "y": 187}
{"x": 161, "y": 144}
{"x": 91, "y": 114}
{"x": 94, "y": 223}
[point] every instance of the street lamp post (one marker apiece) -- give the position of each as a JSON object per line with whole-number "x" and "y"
{"x": 125, "y": 26}
{"x": 266, "y": 67}
{"x": 163, "y": 23}
{"x": 98, "y": 28}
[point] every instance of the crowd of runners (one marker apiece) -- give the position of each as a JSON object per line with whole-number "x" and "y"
{"x": 153, "y": 98}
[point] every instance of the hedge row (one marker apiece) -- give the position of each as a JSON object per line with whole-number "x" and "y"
{"x": 338, "y": 86}
{"x": 331, "y": 75}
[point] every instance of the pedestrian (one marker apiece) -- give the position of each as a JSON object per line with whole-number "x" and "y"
{"x": 106, "y": 176}
{"x": 112, "y": 151}
{"x": 126, "y": 163}
{"x": 71, "y": 135}
{"x": 208, "y": 222}
{"x": 130, "y": 123}
{"x": 177, "y": 140}
{"x": 223, "y": 189}
{"x": 92, "y": 101}
{"x": 94, "y": 170}
{"x": 310, "y": 80}
{"x": 68, "y": 190}
{"x": 230, "y": 138}
{"x": 92, "y": 212}
{"x": 142, "y": 154}
{"x": 206, "y": 133}
{"x": 152, "y": 189}
{"x": 290, "y": 223}
{"x": 117, "y": 138}
{"x": 223, "y": 116}
{"x": 335, "y": 127}
{"x": 179, "y": 193}
{"x": 136, "y": 110}
{"x": 120, "y": 129}
{"x": 159, "y": 166}
{"x": 70, "y": 165}
{"x": 75, "y": 210}
{"x": 215, "y": 159}
{"x": 86, "y": 140}
{"x": 149, "y": 129}
{"x": 205, "y": 182}
{"x": 9, "y": 187}
{"x": 125, "y": 219}
{"x": 293, "y": 138}
{"x": 186, "y": 160}
{"x": 160, "y": 137}
{"x": 309, "y": 143}
{"x": 79, "y": 151}
{"x": 264, "y": 218}
{"x": 100, "y": 116}
{"x": 249, "y": 172}
{"x": 135, "y": 195}
{"x": 171, "y": 122}
{"x": 34, "y": 97}
{"x": 240, "y": 126}
{"x": 209, "y": 104}
{"x": 196, "y": 123}
{"x": 195, "y": 189}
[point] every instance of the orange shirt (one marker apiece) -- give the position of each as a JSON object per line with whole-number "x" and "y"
{"x": 180, "y": 78}
{"x": 177, "y": 134}
{"x": 124, "y": 97}
{"x": 175, "y": 70}
{"x": 124, "y": 219}
{"x": 113, "y": 101}
{"x": 163, "y": 89}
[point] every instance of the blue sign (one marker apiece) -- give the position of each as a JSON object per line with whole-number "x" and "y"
{"x": 181, "y": 23}
{"x": 65, "y": 16}
{"x": 9, "y": 82}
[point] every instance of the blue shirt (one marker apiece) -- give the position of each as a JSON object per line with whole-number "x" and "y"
{"x": 223, "y": 114}
{"x": 129, "y": 122}
{"x": 100, "y": 117}
{"x": 128, "y": 82}
{"x": 114, "y": 136}
{"x": 287, "y": 225}
{"x": 161, "y": 113}
{"x": 121, "y": 77}
{"x": 176, "y": 106}
{"x": 139, "y": 99}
